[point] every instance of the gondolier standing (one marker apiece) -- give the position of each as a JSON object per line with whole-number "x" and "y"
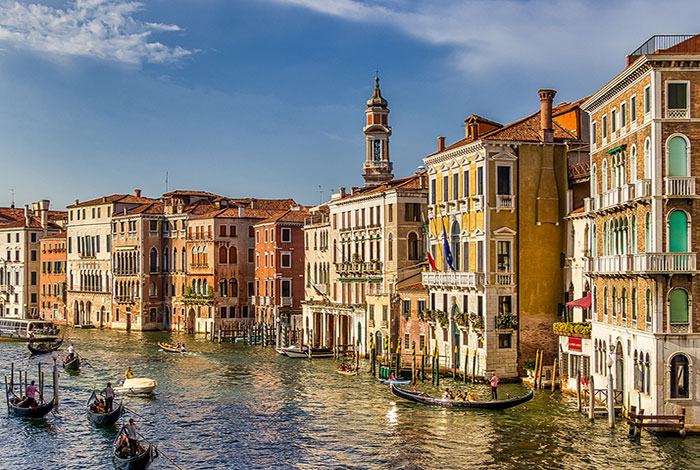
{"x": 108, "y": 393}
{"x": 494, "y": 386}
{"x": 31, "y": 394}
{"x": 133, "y": 436}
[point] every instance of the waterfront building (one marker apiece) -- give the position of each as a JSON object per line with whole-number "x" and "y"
{"x": 20, "y": 235}
{"x": 414, "y": 329}
{"x": 375, "y": 245}
{"x": 498, "y": 199}
{"x": 317, "y": 256}
{"x": 279, "y": 268}
{"x": 53, "y": 278}
{"x": 643, "y": 212}
{"x": 89, "y": 257}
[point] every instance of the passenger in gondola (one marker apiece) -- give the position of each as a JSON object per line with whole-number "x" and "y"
{"x": 133, "y": 436}
{"x": 71, "y": 353}
{"x": 31, "y": 395}
{"x": 122, "y": 446}
{"x": 128, "y": 374}
{"x": 108, "y": 393}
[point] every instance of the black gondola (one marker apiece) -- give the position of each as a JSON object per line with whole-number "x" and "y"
{"x": 72, "y": 365}
{"x": 489, "y": 405}
{"x": 140, "y": 462}
{"x": 36, "y": 412}
{"x": 103, "y": 419}
{"x": 44, "y": 348}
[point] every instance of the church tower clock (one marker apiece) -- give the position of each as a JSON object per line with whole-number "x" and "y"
{"x": 377, "y": 167}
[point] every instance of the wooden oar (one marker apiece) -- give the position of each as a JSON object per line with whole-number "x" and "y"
{"x": 160, "y": 451}
{"x": 133, "y": 412}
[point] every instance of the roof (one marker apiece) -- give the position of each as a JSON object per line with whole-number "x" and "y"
{"x": 186, "y": 192}
{"x": 579, "y": 170}
{"x": 289, "y": 216}
{"x": 234, "y": 213}
{"x": 150, "y": 208}
{"x": 114, "y": 198}
{"x": 578, "y": 210}
{"x": 59, "y": 235}
{"x": 34, "y": 222}
{"x": 413, "y": 287}
{"x": 482, "y": 120}
{"x": 409, "y": 182}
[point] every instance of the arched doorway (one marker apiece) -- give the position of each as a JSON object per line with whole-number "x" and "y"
{"x": 76, "y": 313}
{"x": 619, "y": 368}
{"x": 378, "y": 343}
{"x": 102, "y": 316}
{"x": 190, "y": 321}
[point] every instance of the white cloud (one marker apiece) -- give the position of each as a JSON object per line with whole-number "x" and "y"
{"x": 491, "y": 34}
{"x": 104, "y": 29}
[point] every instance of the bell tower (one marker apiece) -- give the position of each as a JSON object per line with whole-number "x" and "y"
{"x": 377, "y": 167}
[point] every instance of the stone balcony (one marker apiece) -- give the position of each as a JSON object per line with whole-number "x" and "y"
{"x": 505, "y": 202}
{"x": 458, "y": 280}
{"x": 613, "y": 198}
{"x": 359, "y": 268}
{"x": 286, "y": 301}
{"x": 679, "y": 186}
{"x": 642, "y": 263}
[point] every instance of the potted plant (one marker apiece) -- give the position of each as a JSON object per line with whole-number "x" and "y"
{"x": 529, "y": 366}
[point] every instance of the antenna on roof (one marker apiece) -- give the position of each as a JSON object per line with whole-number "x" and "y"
{"x": 320, "y": 194}
{"x": 166, "y": 181}
{"x": 12, "y": 191}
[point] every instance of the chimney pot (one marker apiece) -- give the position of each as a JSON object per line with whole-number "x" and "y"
{"x": 546, "y": 129}
{"x": 76, "y": 202}
{"x": 137, "y": 192}
{"x": 441, "y": 144}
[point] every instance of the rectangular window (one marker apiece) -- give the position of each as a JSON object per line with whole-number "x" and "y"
{"x": 504, "y": 340}
{"x": 33, "y": 278}
{"x": 445, "y": 188}
{"x": 455, "y": 186}
{"x": 33, "y": 237}
{"x": 223, "y": 312}
{"x": 421, "y": 343}
{"x": 222, "y": 233}
{"x": 633, "y": 109}
{"x": 412, "y": 212}
{"x": 480, "y": 180}
{"x": 480, "y": 256}
{"x": 153, "y": 226}
{"x": 245, "y": 311}
{"x": 677, "y": 96}
{"x": 613, "y": 120}
{"x": 594, "y": 133}
{"x": 251, "y": 231}
{"x": 465, "y": 183}
{"x": 421, "y": 306}
{"x": 251, "y": 255}
{"x": 503, "y": 185}
{"x": 406, "y": 341}
{"x": 503, "y": 260}
{"x": 385, "y": 313}
{"x": 286, "y": 287}
{"x": 266, "y": 239}
{"x": 32, "y": 255}
{"x": 647, "y": 100}
{"x": 605, "y": 126}
{"x": 390, "y": 208}
{"x": 70, "y": 245}
{"x": 286, "y": 235}
{"x": 406, "y": 307}
{"x": 433, "y": 191}
{"x": 286, "y": 260}
{"x": 623, "y": 115}
{"x": 371, "y": 312}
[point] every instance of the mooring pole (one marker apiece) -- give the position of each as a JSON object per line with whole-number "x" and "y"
{"x": 611, "y": 397}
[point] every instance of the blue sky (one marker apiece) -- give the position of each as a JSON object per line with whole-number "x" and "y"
{"x": 266, "y": 98}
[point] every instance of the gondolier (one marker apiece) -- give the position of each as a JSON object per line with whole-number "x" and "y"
{"x": 494, "y": 386}
{"x": 108, "y": 393}
{"x": 31, "y": 394}
{"x": 133, "y": 436}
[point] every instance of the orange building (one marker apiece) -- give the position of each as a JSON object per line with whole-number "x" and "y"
{"x": 279, "y": 268}
{"x": 53, "y": 278}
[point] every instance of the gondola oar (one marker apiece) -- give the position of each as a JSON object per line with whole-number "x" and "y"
{"x": 160, "y": 452}
{"x": 134, "y": 413}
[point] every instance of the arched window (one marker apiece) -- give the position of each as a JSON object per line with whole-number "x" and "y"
{"x": 605, "y": 176}
{"x": 614, "y": 302}
{"x": 634, "y": 305}
{"x": 594, "y": 241}
{"x": 154, "y": 260}
{"x": 633, "y": 164}
{"x": 233, "y": 287}
{"x": 205, "y": 261}
{"x": 677, "y": 157}
{"x": 205, "y": 287}
{"x": 623, "y": 307}
{"x": 223, "y": 288}
{"x": 413, "y": 246}
{"x": 647, "y": 158}
{"x": 647, "y": 369}
{"x": 154, "y": 289}
{"x": 679, "y": 377}
{"x": 633, "y": 240}
{"x": 184, "y": 259}
{"x": 174, "y": 259}
{"x": 390, "y": 247}
{"x": 605, "y": 239}
{"x": 636, "y": 370}
{"x": 194, "y": 256}
{"x": 166, "y": 259}
{"x": 649, "y": 307}
{"x": 232, "y": 255}
{"x": 678, "y": 305}
{"x": 678, "y": 232}
{"x": 223, "y": 255}
{"x": 647, "y": 232}
{"x": 308, "y": 274}
{"x": 605, "y": 301}
{"x": 594, "y": 180}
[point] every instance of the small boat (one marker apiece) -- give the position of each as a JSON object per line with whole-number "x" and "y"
{"x": 170, "y": 348}
{"x": 347, "y": 372}
{"x": 44, "y": 348}
{"x": 123, "y": 461}
{"x": 31, "y": 412}
{"x": 295, "y": 352}
{"x": 488, "y": 405}
{"x": 72, "y": 365}
{"x": 140, "y": 386}
{"x": 281, "y": 351}
{"x": 103, "y": 419}
{"x": 394, "y": 381}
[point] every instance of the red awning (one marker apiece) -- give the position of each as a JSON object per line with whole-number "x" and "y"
{"x": 583, "y": 302}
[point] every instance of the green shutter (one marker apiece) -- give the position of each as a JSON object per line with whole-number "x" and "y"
{"x": 679, "y": 306}
{"x": 678, "y": 232}
{"x": 677, "y": 157}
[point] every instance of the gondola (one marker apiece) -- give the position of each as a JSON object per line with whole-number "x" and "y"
{"x": 103, "y": 419}
{"x": 140, "y": 462}
{"x": 295, "y": 352}
{"x": 73, "y": 365}
{"x": 170, "y": 348}
{"x": 36, "y": 412}
{"x": 44, "y": 348}
{"x": 347, "y": 372}
{"x": 489, "y": 405}
{"x": 394, "y": 381}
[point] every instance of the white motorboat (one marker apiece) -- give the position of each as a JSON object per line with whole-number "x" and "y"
{"x": 137, "y": 386}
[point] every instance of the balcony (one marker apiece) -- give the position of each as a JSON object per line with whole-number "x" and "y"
{"x": 679, "y": 186}
{"x": 252, "y": 299}
{"x": 359, "y": 268}
{"x": 286, "y": 302}
{"x": 642, "y": 188}
{"x": 683, "y": 327}
{"x": 505, "y": 202}
{"x": 478, "y": 202}
{"x": 615, "y": 264}
{"x": 678, "y": 113}
{"x": 503, "y": 279}
{"x": 664, "y": 262}
{"x": 459, "y": 280}
{"x": 322, "y": 288}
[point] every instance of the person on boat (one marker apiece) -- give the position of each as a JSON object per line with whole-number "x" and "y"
{"x": 128, "y": 374}
{"x": 448, "y": 394}
{"x": 31, "y": 336}
{"x": 494, "y": 386}
{"x": 133, "y": 436}
{"x": 31, "y": 395}
{"x": 71, "y": 353}
{"x": 108, "y": 393}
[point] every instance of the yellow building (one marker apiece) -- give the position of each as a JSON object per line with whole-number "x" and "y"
{"x": 500, "y": 196}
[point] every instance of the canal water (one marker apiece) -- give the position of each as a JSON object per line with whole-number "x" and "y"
{"x": 243, "y": 407}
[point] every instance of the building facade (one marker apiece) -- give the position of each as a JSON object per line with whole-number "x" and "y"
{"x": 642, "y": 209}
{"x": 53, "y": 278}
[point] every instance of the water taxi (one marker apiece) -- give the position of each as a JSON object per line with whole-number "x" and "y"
{"x": 18, "y": 329}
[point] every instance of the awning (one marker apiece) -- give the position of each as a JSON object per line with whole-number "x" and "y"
{"x": 583, "y": 302}
{"x": 617, "y": 149}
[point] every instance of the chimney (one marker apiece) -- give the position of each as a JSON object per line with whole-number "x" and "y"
{"x": 76, "y": 202}
{"x": 253, "y": 203}
{"x": 26, "y": 214}
{"x": 241, "y": 211}
{"x": 44, "y": 213}
{"x": 441, "y": 144}
{"x": 137, "y": 192}
{"x": 342, "y": 192}
{"x": 546, "y": 130}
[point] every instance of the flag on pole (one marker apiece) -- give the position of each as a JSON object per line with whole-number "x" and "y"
{"x": 431, "y": 260}
{"x": 448, "y": 253}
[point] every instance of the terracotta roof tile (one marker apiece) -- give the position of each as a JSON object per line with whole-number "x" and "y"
{"x": 55, "y": 236}
{"x": 113, "y": 198}
{"x": 413, "y": 287}
{"x": 409, "y": 182}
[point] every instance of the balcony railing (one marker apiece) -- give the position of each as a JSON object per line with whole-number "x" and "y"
{"x": 677, "y": 113}
{"x": 664, "y": 262}
{"x": 359, "y": 268}
{"x": 504, "y": 279}
{"x": 642, "y": 188}
{"x": 683, "y": 327}
{"x": 680, "y": 186}
{"x": 505, "y": 202}
{"x": 286, "y": 301}
{"x": 253, "y": 299}
{"x": 478, "y": 202}
{"x": 459, "y": 279}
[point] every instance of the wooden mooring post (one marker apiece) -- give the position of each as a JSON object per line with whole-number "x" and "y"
{"x": 591, "y": 398}
{"x": 578, "y": 390}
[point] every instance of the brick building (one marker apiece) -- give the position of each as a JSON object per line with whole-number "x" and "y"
{"x": 414, "y": 329}
{"x": 643, "y": 207}
{"x": 53, "y": 278}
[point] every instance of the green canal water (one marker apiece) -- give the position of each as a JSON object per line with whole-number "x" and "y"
{"x": 237, "y": 407}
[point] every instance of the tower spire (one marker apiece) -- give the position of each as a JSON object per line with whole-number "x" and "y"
{"x": 377, "y": 167}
